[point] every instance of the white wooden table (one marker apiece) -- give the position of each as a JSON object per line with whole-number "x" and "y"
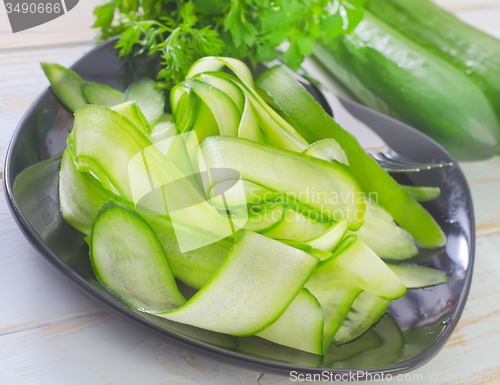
{"x": 50, "y": 334}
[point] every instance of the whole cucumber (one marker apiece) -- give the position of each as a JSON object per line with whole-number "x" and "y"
{"x": 390, "y": 73}
{"x": 473, "y": 52}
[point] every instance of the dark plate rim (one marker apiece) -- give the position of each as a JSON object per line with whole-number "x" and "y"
{"x": 197, "y": 346}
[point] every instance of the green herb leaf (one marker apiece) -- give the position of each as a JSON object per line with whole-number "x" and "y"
{"x": 183, "y": 31}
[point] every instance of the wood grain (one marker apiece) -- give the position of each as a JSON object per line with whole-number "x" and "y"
{"x": 71, "y": 28}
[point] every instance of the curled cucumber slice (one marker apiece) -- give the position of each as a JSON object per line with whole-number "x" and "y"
{"x": 327, "y": 149}
{"x": 356, "y": 264}
{"x": 297, "y": 227}
{"x": 80, "y": 194}
{"x": 331, "y": 238}
{"x": 128, "y": 259}
{"x": 132, "y": 112}
{"x": 101, "y": 94}
{"x": 336, "y": 194}
{"x": 212, "y": 63}
{"x": 66, "y": 84}
{"x": 384, "y": 236}
{"x": 225, "y": 86}
{"x": 266, "y": 220}
{"x": 150, "y": 99}
{"x": 365, "y": 311}
{"x": 236, "y": 300}
{"x": 224, "y": 110}
{"x": 300, "y": 326}
{"x": 415, "y": 277}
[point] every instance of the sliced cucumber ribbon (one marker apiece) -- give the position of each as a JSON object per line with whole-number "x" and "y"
{"x": 256, "y": 119}
{"x": 245, "y": 218}
{"x": 338, "y": 280}
{"x": 213, "y": 63}
{"x": 327, "y": 149}
{"x": 128, "y": 258}
{"x": 336, "y": 194}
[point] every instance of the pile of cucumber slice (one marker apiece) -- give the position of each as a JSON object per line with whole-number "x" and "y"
{"x": 270, "y": 213}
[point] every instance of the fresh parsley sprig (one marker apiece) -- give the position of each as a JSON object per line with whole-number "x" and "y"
{"x": 184, "y": 31}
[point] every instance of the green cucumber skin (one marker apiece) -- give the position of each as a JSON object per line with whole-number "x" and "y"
{"x": 66, "y": 84}
{"x": 391, "y": 74}
{"x": 473, "y": 52}
{"x": 314, "y": 124}
{"x": 423, "y": 194}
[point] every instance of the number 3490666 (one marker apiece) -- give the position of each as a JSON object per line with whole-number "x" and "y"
{"x": 34, "y": 8}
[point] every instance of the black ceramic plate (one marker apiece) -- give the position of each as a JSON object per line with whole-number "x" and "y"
{"x": 416, "y": 326}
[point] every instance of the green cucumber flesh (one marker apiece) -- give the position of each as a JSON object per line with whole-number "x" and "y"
{"x": 356, "y": 264}
{"x": 225, "y": 86}
{"x": 331, "y": 238}
{"x": 336, "y": 299}
{"x": 300, "y": 327}
{"x": 384, "y": 236}
{"x": 290, "y": 173}
{"x": 225, "y": 112}
{"x": 66, "y": 84}
{"x": 96, "y": 130}
{"x": 254, "y": 194}
{"x": 414, "y": 277}
{"x": 162, "y": 130}
{"x": 204, "y": 123}
{"x": 184, "y": 104}
{"x": 327, "y": 149}
{"x": 101, "y": 94}
{"x": 80, "y": 194}
{"x": 365, "y": 311}
{"x": 211, "y": 64}
{"x": 194, "y": 267}
{"x": 150, "y": 100}
{"x": 132, "y": 112}
{"x": 266, "y": 220}
{"x": 255, "y": 267}
{"x": 249, "y": 124}
{"x": 297, "y": 227}
{"x": 128, "y": 259}
{"x": 277, "y": 131}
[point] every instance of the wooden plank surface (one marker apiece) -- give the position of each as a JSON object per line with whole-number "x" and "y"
{"x": 71, "y": 28}
{"x": 50, "y": 334}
